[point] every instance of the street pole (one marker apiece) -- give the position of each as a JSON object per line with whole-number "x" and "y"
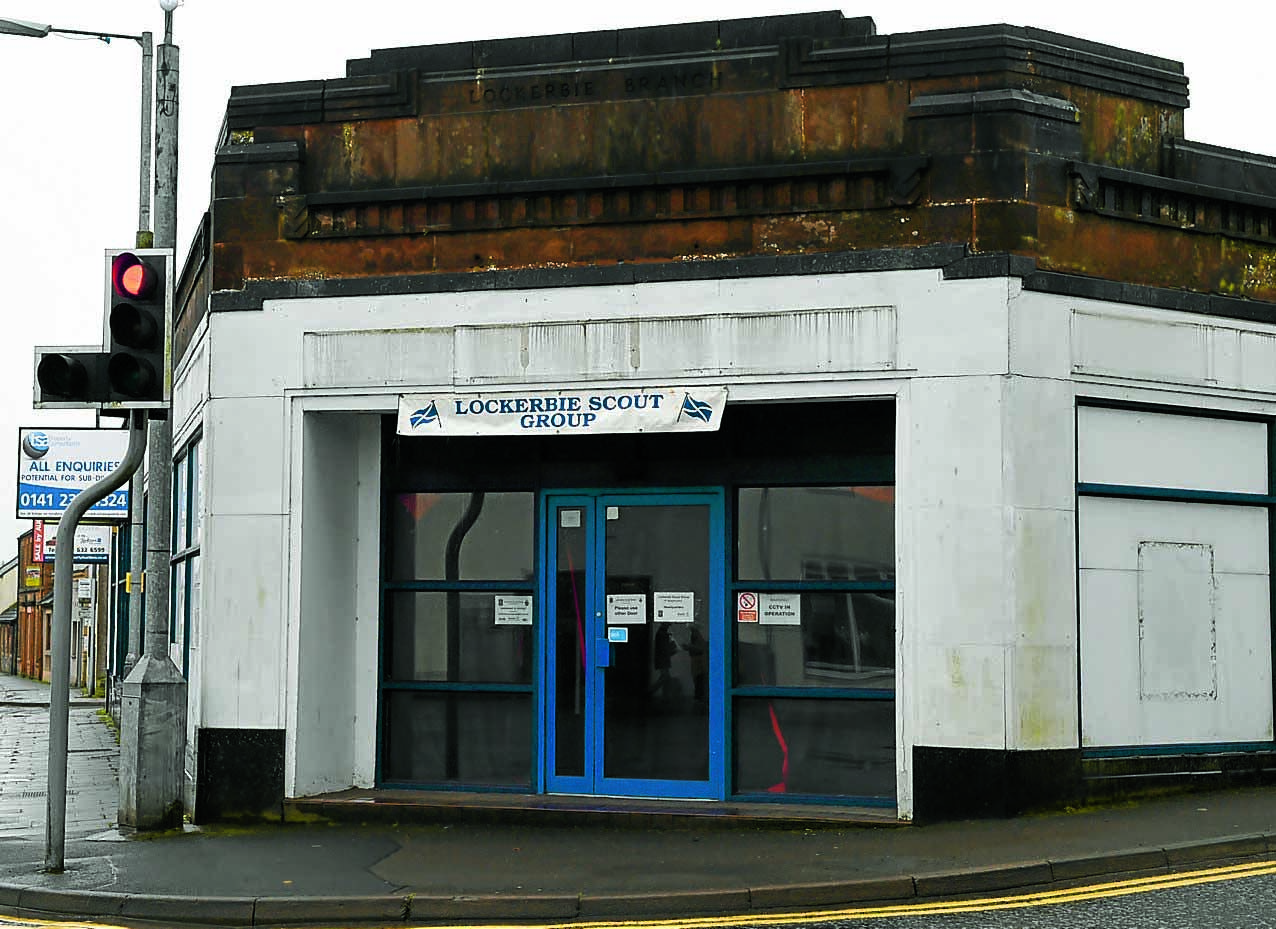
{"x": 153, "y": 711}
{"x": 144, "y": 237}
{"x": 137, "y": 489}
{"x": 59, "y": 698}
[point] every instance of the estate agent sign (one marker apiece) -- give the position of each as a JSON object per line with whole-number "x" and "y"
{"x": 56, "y": 464}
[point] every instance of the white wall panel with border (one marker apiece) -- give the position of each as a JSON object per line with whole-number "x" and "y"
{"x": 1175, "y": 623}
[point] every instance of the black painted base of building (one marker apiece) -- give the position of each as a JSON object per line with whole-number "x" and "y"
{"x": 240, "y": 775}
{"x": 974, "y": 783}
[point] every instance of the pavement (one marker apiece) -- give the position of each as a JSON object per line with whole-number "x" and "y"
{"x": 550, "y": 872}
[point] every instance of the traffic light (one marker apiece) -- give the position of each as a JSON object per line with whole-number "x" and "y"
{"x": 70, "y": 376}
{"x": 138, "y": 337}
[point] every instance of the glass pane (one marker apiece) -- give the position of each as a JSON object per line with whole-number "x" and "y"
{"x": 461, "y": 738}
{"x": 197, "y": 485}
{"x": 462, "y": 537}
{"x": 816, "y": 533}
{"x": 843, "y": 640}
{"x": 179, "y": 505}
{"x": 194, "y": 599}
{"x": 459, "y": 637}
{"x": 813, "y": 746}
{"x": 570, "y": 624}
{"x": 657, "y": 587}
{"x": 177, "y": 618}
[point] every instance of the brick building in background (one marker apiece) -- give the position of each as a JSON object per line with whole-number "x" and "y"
{"x": 35, "y": 611}
{"x": 982, "y": 346}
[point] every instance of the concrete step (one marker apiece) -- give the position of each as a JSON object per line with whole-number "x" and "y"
{"x": 426, "y": 806}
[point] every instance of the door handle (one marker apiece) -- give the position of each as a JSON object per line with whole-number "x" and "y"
{"x": 602, "y": 653}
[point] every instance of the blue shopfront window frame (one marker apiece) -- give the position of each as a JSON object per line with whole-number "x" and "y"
{"x": 595, "y": 502}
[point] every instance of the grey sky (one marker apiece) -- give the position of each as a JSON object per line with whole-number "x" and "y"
{"x": 69, "y": 145}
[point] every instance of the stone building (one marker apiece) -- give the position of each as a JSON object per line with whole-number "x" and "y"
{"x": 751, "y": 410}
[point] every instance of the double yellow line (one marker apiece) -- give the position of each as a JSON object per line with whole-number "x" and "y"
{"x": 1019, "y": 901}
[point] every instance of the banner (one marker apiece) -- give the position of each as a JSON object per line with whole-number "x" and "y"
{"x": 564, "y": 412}
{"x": 56, "y": 464}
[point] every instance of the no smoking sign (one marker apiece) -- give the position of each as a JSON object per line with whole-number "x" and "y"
{"x": 746, "y": 603}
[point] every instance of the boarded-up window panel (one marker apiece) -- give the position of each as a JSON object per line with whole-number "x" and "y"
{"x": 1178, "y": 648}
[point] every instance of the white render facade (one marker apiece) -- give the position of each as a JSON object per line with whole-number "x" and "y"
{"x": 1048, "y": 603}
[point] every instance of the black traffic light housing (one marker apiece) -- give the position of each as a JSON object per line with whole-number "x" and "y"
{"x": 139, "y": 310}
{"x": 70, "y": 376}
{"x": 132, "y": 368}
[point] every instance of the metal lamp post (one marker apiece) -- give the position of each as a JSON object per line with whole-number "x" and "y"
{"x": 154, "y": 697}
{"x": 21, "y": 27}
{"x": 137, "y": 557}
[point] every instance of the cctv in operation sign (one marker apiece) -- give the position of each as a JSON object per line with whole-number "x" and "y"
{"x": 56, "y": 464}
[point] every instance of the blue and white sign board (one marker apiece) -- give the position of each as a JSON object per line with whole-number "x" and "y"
{"x": 92, "y": 544}
{"x": 564, "y": 412}
{"x": 56, "y": 464}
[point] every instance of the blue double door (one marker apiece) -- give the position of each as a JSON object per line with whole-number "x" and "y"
{"x": 634, "y": 648}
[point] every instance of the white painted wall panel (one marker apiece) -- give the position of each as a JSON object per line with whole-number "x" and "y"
{"x": 1041, "y": 686}
{"x": 1164, "y": 450}
{"x": 961, "y": 693}
{"x": 961, "y": 330}
{"x": 1041, "y": 553}
{"x": 962, "y": 598}
{"x": 956, "y": 437}
{"x": 377, "y": 357}
{"x": 1132, "y": 343}
{"x": 256, "y": 354}
{"x": 246, "y": 463}
{"x": 1143, "y": 349}
{"x": 1177, "y": 621}
{"x": 1111, "y": 530}
{"x": 243, "y": 614}
{"x": 322, "y": 727}
{"x": 1039, "y": 436}
{"x": 367, "y": 596}
{"x": 190, "y": 390}
{"x": 1040, "y": 334}
{"x": 1257, "y": 362}
{"x": 1152, "y": 669}
{"x": 490, "y": 353}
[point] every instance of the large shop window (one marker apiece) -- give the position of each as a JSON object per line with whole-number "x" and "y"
{"x": 458, "y": 640}
{"x": 184, "y": 580}
{"x": 813, "y": 697}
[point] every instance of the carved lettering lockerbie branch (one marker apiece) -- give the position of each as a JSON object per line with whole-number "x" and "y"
{"x": 553, "y": 89}
{"x": 673, "y": 83}
{"x": 576, "y": 87}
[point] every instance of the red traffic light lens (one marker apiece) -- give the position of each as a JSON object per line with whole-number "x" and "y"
{"x": 132, "y": 277}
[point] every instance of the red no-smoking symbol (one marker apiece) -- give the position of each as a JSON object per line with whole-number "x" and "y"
{"x": 748, "y": 601}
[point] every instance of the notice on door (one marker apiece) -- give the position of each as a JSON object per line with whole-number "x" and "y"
{"x": 513, "y": 610}
{"x": 672, "y": 606}
{"x": 780, "y": 609}
{"x": 746, "y": 607}
{"x": 626, "y": 609}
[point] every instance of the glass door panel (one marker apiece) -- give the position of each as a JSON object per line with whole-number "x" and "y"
{"x": 655, "y": 719}
{"x": 634, "y": 655}
{"x": 571, "y": 627}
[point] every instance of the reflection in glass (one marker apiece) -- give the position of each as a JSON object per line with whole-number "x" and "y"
{"x": 471, "y": 738}
{"x": 844, "y": 640}
{"x": 656, "y": 708}
{"x": 461, "y": 536}
{"x": 812, "y": 746}
{"x": 816, "y": 533}
{"x": 427, "y": 641}
{"x": 570, "y": 624}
